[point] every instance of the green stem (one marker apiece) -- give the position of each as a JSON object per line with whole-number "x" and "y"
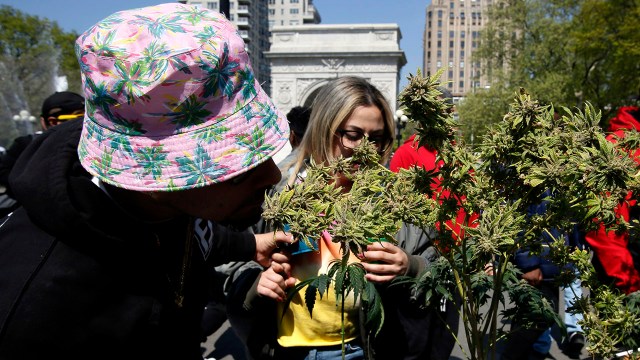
{"x": 492, "y": 323}
{"x": 342, "y": 332}
{"x": 472, "y": 316}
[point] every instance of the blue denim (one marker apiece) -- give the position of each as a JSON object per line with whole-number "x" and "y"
{"x": 352, "y": 352}
{"x": 573, "y": 291}
{"x": 570, "y": 293}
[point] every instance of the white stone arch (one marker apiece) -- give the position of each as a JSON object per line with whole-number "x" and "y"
{"x": 305, "y": 57}
{"x": 308, "y": 94}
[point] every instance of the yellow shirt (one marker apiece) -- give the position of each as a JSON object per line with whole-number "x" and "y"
{"x": 324, "y": 326}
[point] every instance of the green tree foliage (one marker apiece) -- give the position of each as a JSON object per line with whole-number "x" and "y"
{"x": 33, "y": 51}
{"x": 566, "y": 52}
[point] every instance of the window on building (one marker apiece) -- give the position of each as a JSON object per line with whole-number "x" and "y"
{"x": 439, "y": 64}
{"x": 294, "y": 1}
{"x": 450, "y": 74}
{"x": 451, "y": 43}
{"x": 439, "y": 14}
{"x": 461, "y": 74}
{"x": 451, "y": 65}
{"x": 294, "y": 22}
{"x": 450, "y": 54}
{"x": 212, "y": 5}
{"x": 451, "y": 33}
{"x": 451, "y": 4}
{"x": 232, "y": 17}
{"x": 462, "y": 44}
{"x": 439, "y": 34}
{"x": 462, "y": 34}
{"x": 461, "y": 85}
{"x": 451, "y": 16}
{"x": 461, "y": 64}
{"x": 439, "y": 23}
{"x": 272, "y": 2}
{"x": 428, "y": 44}
{"x": 293, "y": 11}
{"x": 439, "y": 54}
{"x": 450, "y": 85}
{"x": 462, "y": 15}
{"x": 439, "y": 44}
{"x": 271, "y": 23}
{"x": 461, "y": 54}
{"x": 272, "y": 11}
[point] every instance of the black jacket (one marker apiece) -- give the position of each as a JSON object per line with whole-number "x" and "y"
{"x": 82, "y": 279}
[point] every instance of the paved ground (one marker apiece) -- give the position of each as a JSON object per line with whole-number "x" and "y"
{"x": 224, "y": 345}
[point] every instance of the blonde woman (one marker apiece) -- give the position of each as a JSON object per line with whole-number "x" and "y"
{"x": 345, "y": 111}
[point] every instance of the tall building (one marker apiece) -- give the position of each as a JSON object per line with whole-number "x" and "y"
{"x": 292, "y": 12}
{"x": 251, "y": 18}
{"x": 452, "y": 33}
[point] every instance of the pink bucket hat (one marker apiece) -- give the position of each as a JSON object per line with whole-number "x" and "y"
{"x": 171, "y": 101}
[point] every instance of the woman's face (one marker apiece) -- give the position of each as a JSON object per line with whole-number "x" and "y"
{"x": 364, "y": 120}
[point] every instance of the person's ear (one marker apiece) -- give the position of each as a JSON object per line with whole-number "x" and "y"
{"x": 43, "y": 123}
{"x": 53, "y": 121}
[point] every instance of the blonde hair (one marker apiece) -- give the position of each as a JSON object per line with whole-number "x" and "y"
{"x": 334, "y": 104}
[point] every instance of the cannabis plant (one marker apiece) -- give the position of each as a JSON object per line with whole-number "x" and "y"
{"x": 533, "y": 156}
{"x": 536, "y": 155}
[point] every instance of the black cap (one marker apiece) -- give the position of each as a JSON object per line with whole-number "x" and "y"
{"x": 67, "y": 101}
{"x": 298, "y": 119}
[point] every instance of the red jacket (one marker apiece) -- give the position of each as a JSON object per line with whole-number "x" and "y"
{"x": 408, "y": 155}
{"x": 611, "y": 248}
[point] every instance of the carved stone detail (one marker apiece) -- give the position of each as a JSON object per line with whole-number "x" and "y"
{"x": 284, "y": 92}
{"x": 333, "y": 64}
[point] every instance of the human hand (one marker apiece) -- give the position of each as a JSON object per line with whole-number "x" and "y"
{"x": 267, "y": 243}
{"x": 275, "y": 280}
{"x": 488, "y": 269}
{"x": 384, "y": 261}
{"x": 533, "y": 277}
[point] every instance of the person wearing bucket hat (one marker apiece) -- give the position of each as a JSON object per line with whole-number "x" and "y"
{"x": 123, "y": 211}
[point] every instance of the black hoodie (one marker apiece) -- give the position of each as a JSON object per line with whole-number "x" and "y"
{"x": 83, "y": 279}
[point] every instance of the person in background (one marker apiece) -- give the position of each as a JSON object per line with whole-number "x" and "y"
{"x": 298, "y": 118}
{"x": 345, "y": 111}
{"x": 108, "y": 255}
{"x": 616, "y": 259}
{"x": 56, "y": 109}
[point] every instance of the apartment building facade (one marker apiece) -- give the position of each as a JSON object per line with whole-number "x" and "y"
{"x": 451, "y": 35}
{"x": 292, "y": 13}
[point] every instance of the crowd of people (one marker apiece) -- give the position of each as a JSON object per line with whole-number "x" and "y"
{"x": 135, "y": 226}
